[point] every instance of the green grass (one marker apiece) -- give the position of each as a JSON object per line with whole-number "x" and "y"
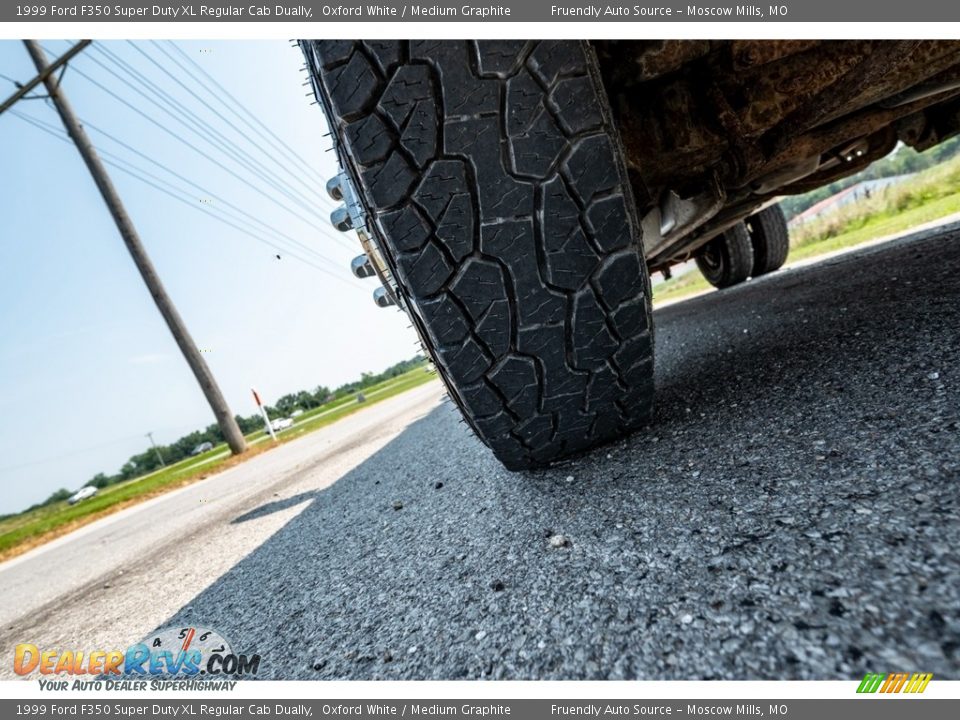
{"x": 351, "y": 399}
{"x": 20, "y": 532}
{"x": 931, "y": 195}
{"x": 347, "y": 406}
{"x": 879, "y": 226}
{"x": 44, "y": 520}
{"x": 680, "y": 286}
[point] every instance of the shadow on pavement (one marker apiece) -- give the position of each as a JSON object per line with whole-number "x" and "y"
{"x": 274, "y": 506}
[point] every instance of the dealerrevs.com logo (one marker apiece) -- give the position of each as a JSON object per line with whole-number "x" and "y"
{"x": 170, "y": 653}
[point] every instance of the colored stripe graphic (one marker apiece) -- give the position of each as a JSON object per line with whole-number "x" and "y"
{"x": 889, "y": 682}
{"x": 894, "y": 683}
{"x": 898, "y": 683}
{"x": 920, "y": 684}
{"x": 871, "y": 683}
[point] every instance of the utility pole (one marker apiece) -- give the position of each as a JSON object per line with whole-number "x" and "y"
{"x": 228, "y": 425}
{"x": 156, "y": 450}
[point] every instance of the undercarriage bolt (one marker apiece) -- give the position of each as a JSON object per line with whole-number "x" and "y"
{"x": 341, "y": 219}
{"x": 362, "y": 267}
{"x": 333, "y": 188}
{"x": 382, "y": 298}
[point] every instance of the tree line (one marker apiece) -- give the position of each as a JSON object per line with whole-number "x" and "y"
{"x": 903, "y": 161}
{"x": 147, "y": 461}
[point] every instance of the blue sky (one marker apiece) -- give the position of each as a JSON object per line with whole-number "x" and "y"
{"x": 87, "y": 365}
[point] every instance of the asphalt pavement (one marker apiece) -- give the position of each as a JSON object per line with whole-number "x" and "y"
{"x": 791, "y": 513}
{"x": 110, "y": 583}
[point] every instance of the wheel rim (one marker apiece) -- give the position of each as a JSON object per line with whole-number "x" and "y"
{"x": 711, "y": 258}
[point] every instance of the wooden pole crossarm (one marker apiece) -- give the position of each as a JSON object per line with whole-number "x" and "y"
{"x": 52, "y": 68}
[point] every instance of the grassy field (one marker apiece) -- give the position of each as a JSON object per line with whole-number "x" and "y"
{"x": 319, "y": 416}
{"x": 19, "y": 533}
{"x": 931, "y": 195}
{"x": 347, "y": 406}
{"x": 680, "y": 286}
{"x": 879, "y": 226}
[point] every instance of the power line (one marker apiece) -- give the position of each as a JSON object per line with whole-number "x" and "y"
{"x": 202, "y": 129}
{"x": 271, "y": 157}
{"x": 186, "y": 199}
{"x": 205, "y": 133}
{"x": 71, "y": 453}
{"x": 277, "y": 142}
{"x": 59, "y": 63}
{"x": 248, "y": 163}
{"x": 177, "y": 194}
{"x": 303, "y": 201}
{"x": 207, "y": 193}
{"x": 143, "y": 175}
{"x": 201, "y": 152}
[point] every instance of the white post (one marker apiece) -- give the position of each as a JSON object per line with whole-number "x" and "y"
{"x": 266, "y": 420}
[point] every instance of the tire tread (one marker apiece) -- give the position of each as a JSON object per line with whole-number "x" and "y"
{"x": 494, "y": 178}
{"x": 771, "y": 240}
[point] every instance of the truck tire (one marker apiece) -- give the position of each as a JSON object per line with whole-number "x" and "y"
{"x": 494, "y": 183}
{"x": 728, "y": 258}
{"x": 770, "y": 239}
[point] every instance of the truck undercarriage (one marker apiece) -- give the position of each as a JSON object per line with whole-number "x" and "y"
{"x": 512, "y": 196}
{"x": 714, "y": 130}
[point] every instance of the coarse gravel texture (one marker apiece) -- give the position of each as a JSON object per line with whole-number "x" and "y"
{"x": 791, "y": 513}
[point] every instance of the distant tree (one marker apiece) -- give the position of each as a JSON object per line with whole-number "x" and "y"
{"x": 55, "y": 497}
{"x": 99, "y": 481}
{"x": 249, "y": 424}
{"x": 180, "y": 449}
{"x": 286, "y": 404}
{"x": 306, "y": 400}
{"x": 214, "y": 434}
{"x": 147, "y": 461}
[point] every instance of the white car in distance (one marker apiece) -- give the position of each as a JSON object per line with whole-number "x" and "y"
{"x": 281, "y": 424}
{"x": 88, "y": 491}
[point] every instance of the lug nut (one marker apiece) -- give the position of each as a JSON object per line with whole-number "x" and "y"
{"x": 382, "y": 298}
{"x": 333, "y": 188}
{"x": 341, "y": 219}
{"x": 362, "y": 267}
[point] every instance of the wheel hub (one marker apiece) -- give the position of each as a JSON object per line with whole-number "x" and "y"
{"x": 351, "y": 215}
